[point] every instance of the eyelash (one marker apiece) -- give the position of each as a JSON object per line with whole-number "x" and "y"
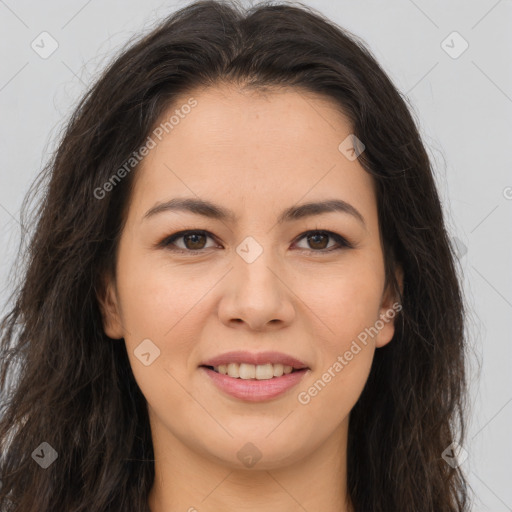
{"x": 341, "y": 241}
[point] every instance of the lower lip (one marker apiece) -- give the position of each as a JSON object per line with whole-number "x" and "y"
{"x": 253, "y": 390}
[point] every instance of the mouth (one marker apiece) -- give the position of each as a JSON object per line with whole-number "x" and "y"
{"x": 254, "y": 383}
{"x": 247, "y": 371}
{"x": 254, "y": 377}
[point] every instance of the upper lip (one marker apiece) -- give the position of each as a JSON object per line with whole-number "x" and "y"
{"x": 258, "y": 358}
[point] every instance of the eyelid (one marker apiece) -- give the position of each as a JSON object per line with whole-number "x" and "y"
{"x": 167, "y": 241}
{"x": 343, "y": 242}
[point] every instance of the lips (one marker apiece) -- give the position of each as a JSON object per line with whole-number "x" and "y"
{"x": 254, "y": 377}
{"x": 257, "y": 359}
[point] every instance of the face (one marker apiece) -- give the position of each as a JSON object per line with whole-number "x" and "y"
{"x": 258, "y": 274}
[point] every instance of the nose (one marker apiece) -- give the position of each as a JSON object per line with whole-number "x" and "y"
{"x": 256, "y": 296}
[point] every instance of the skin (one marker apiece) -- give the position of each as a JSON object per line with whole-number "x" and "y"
{"x": 256, "y": 154}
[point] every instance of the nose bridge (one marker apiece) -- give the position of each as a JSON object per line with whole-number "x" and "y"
{"x": 258, "y": 294}
{"x": 256, "y": 267}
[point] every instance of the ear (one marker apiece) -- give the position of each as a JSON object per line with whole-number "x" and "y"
{"x": 389, "y": 310}
{"x": 109, "y": 306}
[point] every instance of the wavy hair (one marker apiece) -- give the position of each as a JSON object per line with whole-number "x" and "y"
{"x": 64, "y": 382}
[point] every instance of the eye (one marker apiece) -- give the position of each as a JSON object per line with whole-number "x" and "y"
{"x": 194, "y": 241}
{"x": 317, "y": 239}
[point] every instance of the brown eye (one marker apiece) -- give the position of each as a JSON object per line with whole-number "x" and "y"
{"x": 318, "y": 241}
{"x": 193, "y": 241}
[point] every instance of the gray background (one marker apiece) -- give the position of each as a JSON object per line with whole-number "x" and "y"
{"x": 463, "y": 106}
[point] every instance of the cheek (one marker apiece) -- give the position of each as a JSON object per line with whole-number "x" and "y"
{"x": 346, "y": 300}
{"x": 345, "y": 353}
{"x": 347, "y": 303}
{"x": 155, "y": 295}
{"x": 158, "y": 306}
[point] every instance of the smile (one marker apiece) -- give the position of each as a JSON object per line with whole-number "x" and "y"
{"x": 248, "y": 371}
{"x": 253, "y": 389}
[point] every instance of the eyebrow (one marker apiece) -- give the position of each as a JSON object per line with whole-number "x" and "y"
{"x": 215, "y": 211}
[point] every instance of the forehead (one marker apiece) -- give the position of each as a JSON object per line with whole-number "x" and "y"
{"x": 243, "y": 118}
{"x": 254, "y": 147}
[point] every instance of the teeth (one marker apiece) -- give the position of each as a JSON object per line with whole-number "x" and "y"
{"x": 250, "y": 371}
{"x": 278, "y": 369}
{"x": 233, "y": 370}
{"x": 263, "y": 371}
{"x": 247, "y": 371}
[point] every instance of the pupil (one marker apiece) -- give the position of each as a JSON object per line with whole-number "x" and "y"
{"x": 317, "y": 235}
{"x": 188, "y": 237}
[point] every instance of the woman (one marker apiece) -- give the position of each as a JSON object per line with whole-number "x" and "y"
{"x": 240, "y": 293}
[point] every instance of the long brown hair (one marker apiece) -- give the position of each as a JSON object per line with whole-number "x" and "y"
{"x": 64, "y": 382}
